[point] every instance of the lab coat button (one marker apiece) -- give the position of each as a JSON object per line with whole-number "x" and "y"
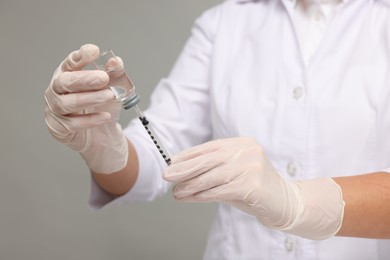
{"x": 298, "y": 93}
{"x": 292, "y": 169}
{"x": 289, "y": 244}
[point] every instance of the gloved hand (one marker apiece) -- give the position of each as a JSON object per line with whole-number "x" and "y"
{"x": 237, "y": 172}
{"x": 82, "y": 112}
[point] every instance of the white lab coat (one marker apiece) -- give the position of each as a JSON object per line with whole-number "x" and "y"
{"x": 242, "y": 74}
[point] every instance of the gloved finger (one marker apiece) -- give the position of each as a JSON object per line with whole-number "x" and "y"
{"x": 77, "y": 60}
{"x": 61, "y": 126}
{"x": 74, "y": 102}
{"x": 107, "y": 62}
{"x": 193, "y": 167}
{"x": 222, "y": 193}
{"x": 216, "y": 194}
{"x": 114, "y": 108}
{"x": 115, "y": 70}
{"x": 221, "y": 175}
{"x": 80, "y": 81}
{"x": 197, "y": 151}
{"x": 115, "y": 63}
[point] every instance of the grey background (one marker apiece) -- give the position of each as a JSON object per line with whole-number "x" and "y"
{"x": 44, "y": 186}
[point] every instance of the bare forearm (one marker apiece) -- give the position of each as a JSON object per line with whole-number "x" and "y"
{"x": 120, "y": 182}
{"x": 367, "y": 205}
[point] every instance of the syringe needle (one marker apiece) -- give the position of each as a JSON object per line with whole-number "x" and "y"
{"x": 153, "y": 136}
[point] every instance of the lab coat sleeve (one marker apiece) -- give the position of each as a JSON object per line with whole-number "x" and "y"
{"x": 178, "y": 111}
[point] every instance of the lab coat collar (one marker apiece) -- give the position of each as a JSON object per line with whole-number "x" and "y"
{"x": 292, "y": 2}
{"x": 248, "y": 1}
{"x": 319, "y": 1}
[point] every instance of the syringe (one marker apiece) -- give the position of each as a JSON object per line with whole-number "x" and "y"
{"x": 152, "y": 134}
{"x": 124, "y": 90}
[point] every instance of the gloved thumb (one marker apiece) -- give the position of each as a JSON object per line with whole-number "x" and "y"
{"x": 77, "y": 60}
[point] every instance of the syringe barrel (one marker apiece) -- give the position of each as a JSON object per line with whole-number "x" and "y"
{"x": 152, "y": 134}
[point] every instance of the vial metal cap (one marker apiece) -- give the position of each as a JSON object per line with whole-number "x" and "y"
{"x": 131, "y": 101}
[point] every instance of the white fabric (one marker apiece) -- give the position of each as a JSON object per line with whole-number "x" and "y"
{"x": 242, "y": 74}
{"x": 312, "y": 18}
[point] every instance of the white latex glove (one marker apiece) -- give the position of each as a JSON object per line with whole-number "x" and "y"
{"x": 82, "y": 112}
{"x": 237, "y": 172}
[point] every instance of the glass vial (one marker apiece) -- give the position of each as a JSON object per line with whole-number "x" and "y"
{"x": 120, "y": 83}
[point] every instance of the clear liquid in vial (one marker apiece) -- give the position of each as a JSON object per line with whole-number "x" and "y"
{"x": 123, "y": 88}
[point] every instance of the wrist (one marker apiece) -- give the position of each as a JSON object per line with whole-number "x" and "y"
{"x": 319, "y": 209}
{"x": 106, "y": 150}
